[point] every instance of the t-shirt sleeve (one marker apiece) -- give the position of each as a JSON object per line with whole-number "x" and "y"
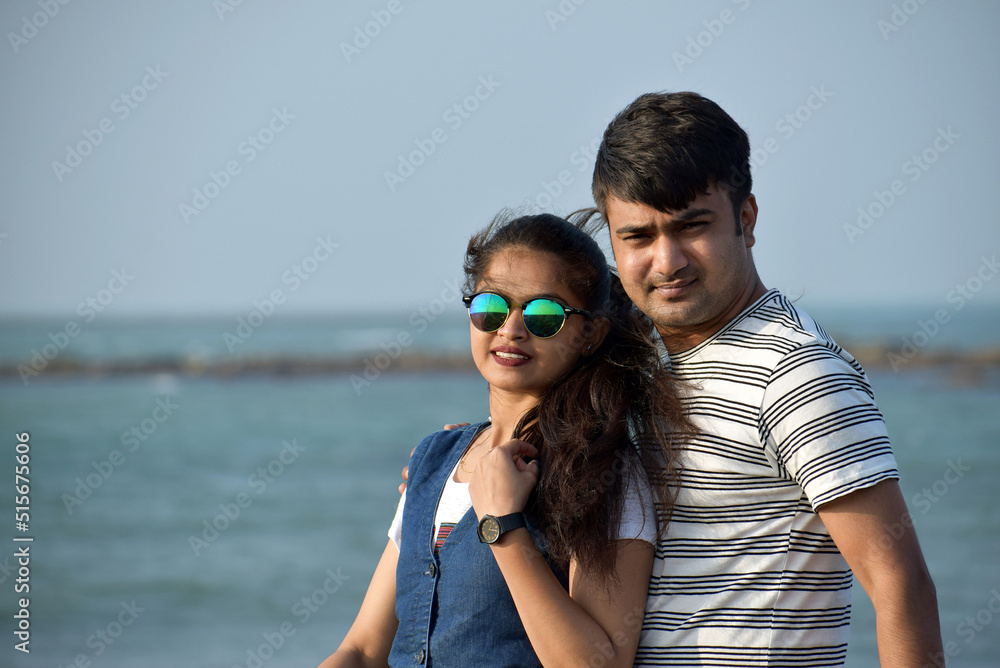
{"x": 396, "y": 527}
{"x": 638, "y": 521}
{"x": 819, "y": 421}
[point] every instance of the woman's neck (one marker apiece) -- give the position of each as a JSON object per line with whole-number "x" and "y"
{"x": 506, "y": 410}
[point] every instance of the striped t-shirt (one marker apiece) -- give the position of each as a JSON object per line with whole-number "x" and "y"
{"x": 747, "y": 574}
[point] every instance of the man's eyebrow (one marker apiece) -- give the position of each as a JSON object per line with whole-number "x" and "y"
{"x": 685, "y": 216}
{"x": 632, "y": 229}
{"x": 681, "y": 217}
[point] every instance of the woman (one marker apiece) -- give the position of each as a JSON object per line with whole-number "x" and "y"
{"x": 529, "y": 538}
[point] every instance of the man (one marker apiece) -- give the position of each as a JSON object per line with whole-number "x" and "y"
{"x": 791, "y": 483}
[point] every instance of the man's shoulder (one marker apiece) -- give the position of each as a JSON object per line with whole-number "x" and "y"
{"x": 776, "y": 316}
{"x": 775, "y": 323}
{"x": 771, "y": 326}
{"x": 771, "y": 333}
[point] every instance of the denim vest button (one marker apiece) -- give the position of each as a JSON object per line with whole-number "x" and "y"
{"x": 432, "y": 570}
{"x": 420, "y": 656}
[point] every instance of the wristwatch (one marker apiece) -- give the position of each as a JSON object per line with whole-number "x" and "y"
{"x": 491, "y": 528}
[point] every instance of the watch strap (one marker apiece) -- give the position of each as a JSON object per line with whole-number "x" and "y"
{"x": 511, "y": 522}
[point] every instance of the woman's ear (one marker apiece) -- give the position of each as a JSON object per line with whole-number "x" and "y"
{"x": 596, "y": 335}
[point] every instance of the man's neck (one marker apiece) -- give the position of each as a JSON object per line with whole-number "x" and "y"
{"x": 685, "y": 338}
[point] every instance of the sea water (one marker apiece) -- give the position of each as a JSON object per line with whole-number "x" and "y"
{"x": 212, "y": 522}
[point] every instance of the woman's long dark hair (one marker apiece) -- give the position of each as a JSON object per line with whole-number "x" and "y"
{"x": 614, "y": 416}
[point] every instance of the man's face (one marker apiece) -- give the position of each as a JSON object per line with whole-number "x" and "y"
{"x": 687, "y": 270}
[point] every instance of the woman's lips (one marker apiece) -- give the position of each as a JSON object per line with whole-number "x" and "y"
{"x": 507, "y": 356}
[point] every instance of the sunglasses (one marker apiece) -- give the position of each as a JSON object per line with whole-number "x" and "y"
{"x": 542, "y": 317}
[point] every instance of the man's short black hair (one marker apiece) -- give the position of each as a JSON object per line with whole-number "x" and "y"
{"x": 666, "y": 149}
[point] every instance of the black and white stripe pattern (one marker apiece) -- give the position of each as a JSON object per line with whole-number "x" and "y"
{"x": 747, "y": 574}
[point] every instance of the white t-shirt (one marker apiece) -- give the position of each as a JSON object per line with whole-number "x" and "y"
{"x": 636, "y": 523}
{"x": 747, "y": 574}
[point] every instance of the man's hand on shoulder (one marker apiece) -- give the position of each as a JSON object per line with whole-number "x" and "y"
{"x": 406, "y": 469}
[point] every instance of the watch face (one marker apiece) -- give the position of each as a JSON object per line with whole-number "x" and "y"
{"x": 489, "y": 530}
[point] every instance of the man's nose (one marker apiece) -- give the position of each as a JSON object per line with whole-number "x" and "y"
{"x": 669, "y": 256}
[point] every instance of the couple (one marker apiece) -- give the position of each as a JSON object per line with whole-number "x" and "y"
{"x": 612, "y": 512}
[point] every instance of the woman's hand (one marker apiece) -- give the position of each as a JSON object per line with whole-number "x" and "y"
{"x": 502, "y": 480}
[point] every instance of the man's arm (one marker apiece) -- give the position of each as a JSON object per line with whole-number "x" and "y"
{"x": 821, "y": 422}
{"x": 873, "y": 530}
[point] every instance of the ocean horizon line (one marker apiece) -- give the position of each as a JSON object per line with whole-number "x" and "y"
{"x": 880, "y": 308}
{"x": 377, "y": 362}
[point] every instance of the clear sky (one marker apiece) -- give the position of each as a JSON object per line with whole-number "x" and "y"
{"x": 212, "y": 153}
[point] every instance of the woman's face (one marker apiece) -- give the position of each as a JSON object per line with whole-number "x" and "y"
{"x": 511, "y": 359}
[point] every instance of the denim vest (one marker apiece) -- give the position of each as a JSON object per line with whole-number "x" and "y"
{"x": 454, "y": 608}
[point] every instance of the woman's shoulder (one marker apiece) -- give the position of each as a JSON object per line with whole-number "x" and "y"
{"x": 449, "y": 435}
{"x": 440, "y": 442}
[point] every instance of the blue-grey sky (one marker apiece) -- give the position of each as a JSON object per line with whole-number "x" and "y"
{"x": 212, "y": 153}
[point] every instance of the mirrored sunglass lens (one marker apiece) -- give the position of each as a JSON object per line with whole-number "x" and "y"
{"x": 544, "y": 317}
{"x": 488, "y": 312}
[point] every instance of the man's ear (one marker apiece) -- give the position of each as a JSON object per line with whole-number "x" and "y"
{"x": 748, "y": 220}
